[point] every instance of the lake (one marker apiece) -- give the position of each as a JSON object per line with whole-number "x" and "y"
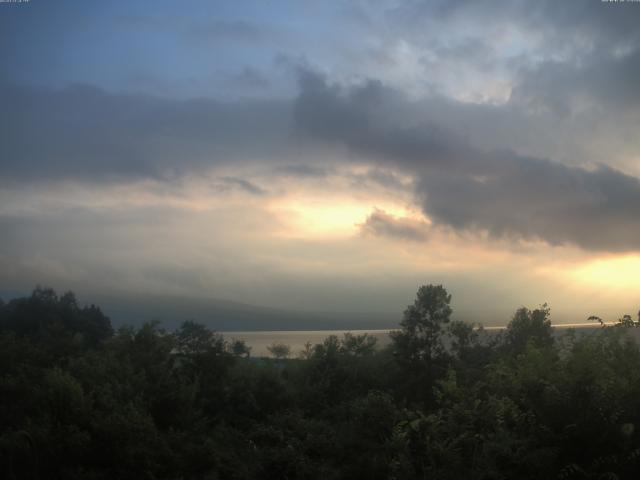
{"x": 296, "y": 339}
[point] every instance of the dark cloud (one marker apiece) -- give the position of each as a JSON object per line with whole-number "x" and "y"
{"x": 459, "y": 185}
{"x": 244, "y": 185}
{"x": 370, "y": 119}
{"x": 385, "y": 178}
{"x": 380, "y": 223}
{"x": 610, "y": 81}
{"x": 467, "y": 170}
{"x": 84, "y": 132}
{"x": 87, "y": 133}
{"x": 534, "y": 198}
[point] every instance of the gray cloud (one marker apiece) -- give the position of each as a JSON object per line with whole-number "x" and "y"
{"x": 380, "y": 223}
{"x": 459, "y": 185}
{"x": 534, "y": 198}
{"x": 370, "y": 119}
{"x": 302, "y": 170}
{"x": 379, "y": 177}
{"x": 548, "y": 151}
{"x": 244, "y": 185}
{"x": 570, "y": 18}
{"x": 474, "y": 166}
{"x": 610, "y": 81}
{"x": 84, "y": 132}
{"x": 469, "y": 48}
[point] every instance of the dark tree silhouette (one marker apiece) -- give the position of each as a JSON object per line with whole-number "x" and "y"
{"x": 419, "y": 340}
{"x": 79, "y": 401}
{"x": 529, "y": 326}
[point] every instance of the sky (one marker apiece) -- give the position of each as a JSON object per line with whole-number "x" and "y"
{"x": 324, "y": 156}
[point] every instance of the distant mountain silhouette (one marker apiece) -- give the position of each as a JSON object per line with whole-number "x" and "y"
{"x": 225, "y": 315}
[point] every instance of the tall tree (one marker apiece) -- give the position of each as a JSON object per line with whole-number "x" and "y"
{"x": 419, "y": 340}
{"x": 529, "y": 326}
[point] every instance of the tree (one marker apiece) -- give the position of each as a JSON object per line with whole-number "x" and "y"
{"x": 306, "y": 352}
{"x": 239, "y": 348}
{"x": 279, "y": 350}
{"x": 419, "y": 340}
{"x": 195, "y": 339}
{"x": 358, "y": 345}
{"x": 529, "y": 326}
{"x": 626, "y": 321}
{"x": 57, "y": 321}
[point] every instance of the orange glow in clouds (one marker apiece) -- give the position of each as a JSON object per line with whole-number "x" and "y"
{"x": 314, "y": 217}
{"x": 621, "y": 273}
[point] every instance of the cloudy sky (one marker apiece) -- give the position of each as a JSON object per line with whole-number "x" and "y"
{"x": 324, "y": 156}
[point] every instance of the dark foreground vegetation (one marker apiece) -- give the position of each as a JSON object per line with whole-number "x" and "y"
{"x": 443, "y": 401}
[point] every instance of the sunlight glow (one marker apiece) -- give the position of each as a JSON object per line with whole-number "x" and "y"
{"x": 621, "y": 273}
{"x": 334, "y": 217}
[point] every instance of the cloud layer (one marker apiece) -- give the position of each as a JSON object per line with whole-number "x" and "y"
{"x": 464, "y": 187}
{"x": 84, "y": 132}
{"x": 460, "y": 182}
{"x": 330, "y": 153}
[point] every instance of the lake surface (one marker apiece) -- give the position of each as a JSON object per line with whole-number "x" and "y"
{"x": 296, "y": 339}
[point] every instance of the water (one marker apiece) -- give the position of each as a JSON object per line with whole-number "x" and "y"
{"x": 296, "y": 339}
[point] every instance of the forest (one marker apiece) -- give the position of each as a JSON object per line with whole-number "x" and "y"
{"x": 444, "y": 400}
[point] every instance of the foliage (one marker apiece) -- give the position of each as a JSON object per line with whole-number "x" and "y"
{"x": 445, "y": 400}
{"x": 422, "y": 326}
{"x": 279, "y": 350}
{"x": 529, "y": 326}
